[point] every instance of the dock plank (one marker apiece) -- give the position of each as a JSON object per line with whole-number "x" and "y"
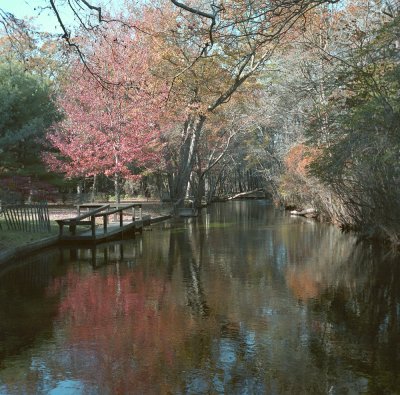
{"x": 113, "y": 230}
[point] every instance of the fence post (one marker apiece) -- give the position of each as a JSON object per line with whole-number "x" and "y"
{"x": 32, "y": 217}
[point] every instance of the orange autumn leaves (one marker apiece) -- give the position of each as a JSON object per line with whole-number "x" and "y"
{"x": 297, "y": 184}
{"x": 299, "y": 159}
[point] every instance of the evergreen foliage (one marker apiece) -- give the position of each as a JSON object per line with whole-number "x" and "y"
{"x": 27, "y": 109}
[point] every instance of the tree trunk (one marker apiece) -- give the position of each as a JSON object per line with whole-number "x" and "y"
{"x": 200, "y": 192}
{"x": 79, "y": 191}
{"x": 191, "y": 134}
{"x": 94, "y": 188}
{"x": 117, "y": 188}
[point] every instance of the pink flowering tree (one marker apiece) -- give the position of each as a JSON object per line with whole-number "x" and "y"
{"x": 109, "y": 126}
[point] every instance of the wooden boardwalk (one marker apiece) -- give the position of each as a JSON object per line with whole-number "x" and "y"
{"x": 103, "y": 222}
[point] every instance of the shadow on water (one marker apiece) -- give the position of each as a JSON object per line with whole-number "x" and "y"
{"x": 243, "y": 299}
{"x": 24, "y": 317}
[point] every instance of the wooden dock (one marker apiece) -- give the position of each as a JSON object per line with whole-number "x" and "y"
{"x": 103, "y": 222}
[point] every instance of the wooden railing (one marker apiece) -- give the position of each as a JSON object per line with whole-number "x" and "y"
{"x": 134, "y": 206}
{"x": 120, "y": 211}
{"x": 72, "y": 223}
{"x": 100, "y": 211}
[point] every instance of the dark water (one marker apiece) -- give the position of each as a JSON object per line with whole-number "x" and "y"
{"x": 244, "y": 300}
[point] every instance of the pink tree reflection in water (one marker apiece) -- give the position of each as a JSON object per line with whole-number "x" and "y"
{"x": 123, "y": 329}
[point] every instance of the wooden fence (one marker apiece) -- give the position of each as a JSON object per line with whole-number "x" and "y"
{"x": 27, "y": 217}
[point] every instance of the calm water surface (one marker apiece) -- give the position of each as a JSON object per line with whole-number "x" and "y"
{"x": 242, "y": 300}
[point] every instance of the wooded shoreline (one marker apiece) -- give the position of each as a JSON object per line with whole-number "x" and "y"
{"x": 50, "y": 241}
{"x": 304, "y": 106}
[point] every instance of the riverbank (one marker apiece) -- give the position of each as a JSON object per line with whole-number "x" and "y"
{"x": 18, "y": 244}
{"x": 26, "y": 248}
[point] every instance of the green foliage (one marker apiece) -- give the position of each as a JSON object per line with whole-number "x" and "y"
{"x": 366, "y": 127}
{"x": 27, "y": 109}
{"x": 361, "y": 153}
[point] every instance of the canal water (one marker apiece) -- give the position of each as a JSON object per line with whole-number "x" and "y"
{"x": 242, "y": 300}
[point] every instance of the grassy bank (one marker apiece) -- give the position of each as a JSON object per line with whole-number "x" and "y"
{"x": 12, "y": 238}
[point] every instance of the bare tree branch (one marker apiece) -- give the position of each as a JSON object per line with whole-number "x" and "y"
{"x": 91, "y": 7}
{"x": 194, "y": 10}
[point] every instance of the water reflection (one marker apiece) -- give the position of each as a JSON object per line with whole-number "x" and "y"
{"x": 244, "y": 299}
{"x": 24, "y": 317}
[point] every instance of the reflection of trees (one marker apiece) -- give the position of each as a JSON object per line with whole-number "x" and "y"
{"x": 267, "y": 304}
{"x": 186, "y": 251}
{"x": 362, "y": 321}
{"x": 258, "y": 348}
{"x": 346, "y": 326}
{"x": 318, "y": 256}
{"x": 351, "y": 296}
{"x": 123, "y": 340}
{"x": 26, "y": 310}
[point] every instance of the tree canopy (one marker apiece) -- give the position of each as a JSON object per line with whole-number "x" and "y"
{"x": 27, "y": 109}
{"x": 214, "y": 98}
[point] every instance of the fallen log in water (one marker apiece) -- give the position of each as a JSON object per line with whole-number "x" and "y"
{"x": 245, "y": 194}
{"x": 308, "y": 212}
